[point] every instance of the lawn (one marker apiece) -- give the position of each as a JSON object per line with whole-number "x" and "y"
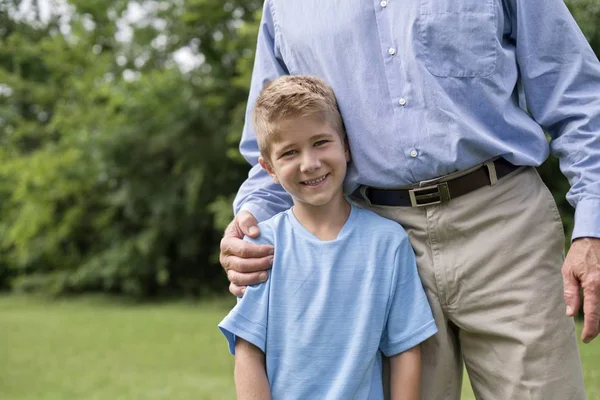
{"x": 96, "y": 348}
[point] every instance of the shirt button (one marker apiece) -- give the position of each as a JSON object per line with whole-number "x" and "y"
{"x": 414, "y": 153}
{"x": 402, "y": 101}
{"x": 383, "y": 4}
{"x": 392, "y": 51}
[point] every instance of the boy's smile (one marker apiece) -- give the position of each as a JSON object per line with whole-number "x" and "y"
{"x": 309, "y": 160}
{"x": 315, "y": 182}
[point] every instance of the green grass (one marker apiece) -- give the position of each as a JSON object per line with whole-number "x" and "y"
{"x": 95, "y": 348}
{"x": 98, "y": 349}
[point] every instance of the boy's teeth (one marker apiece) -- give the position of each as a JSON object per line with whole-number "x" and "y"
{"x": 314, "y": 182}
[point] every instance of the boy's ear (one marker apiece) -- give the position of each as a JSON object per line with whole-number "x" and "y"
{"x": 267, "y": 167}
{"x": 347, "y": 150}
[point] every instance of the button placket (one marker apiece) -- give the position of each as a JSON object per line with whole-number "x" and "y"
{"x": 391, "y": 60}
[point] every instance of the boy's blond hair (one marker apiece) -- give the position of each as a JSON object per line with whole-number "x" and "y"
{"x": 293, "y": 96}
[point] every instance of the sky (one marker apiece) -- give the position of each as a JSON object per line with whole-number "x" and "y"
{"x": 137, "y": 12}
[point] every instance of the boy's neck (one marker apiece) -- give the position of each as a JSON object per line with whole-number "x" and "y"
{"x": 325, "y": 222}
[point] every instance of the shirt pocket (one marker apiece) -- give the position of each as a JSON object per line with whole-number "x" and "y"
{"x": 457, "y": 38}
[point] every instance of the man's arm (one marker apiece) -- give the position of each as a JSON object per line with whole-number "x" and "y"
{"x": 561, "y": 80}
{"x": 405, "y": 375}
{"x": 251, "y": 381}
{"x": 259, "y": 197}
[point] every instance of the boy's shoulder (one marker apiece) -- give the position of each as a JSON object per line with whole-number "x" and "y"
{"x": 371, "y": 223}
{"x": 276, "y": 221}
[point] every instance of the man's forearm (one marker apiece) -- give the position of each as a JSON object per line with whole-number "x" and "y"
{"x": 405, "y": 375}
{"x": 251, "y": 381}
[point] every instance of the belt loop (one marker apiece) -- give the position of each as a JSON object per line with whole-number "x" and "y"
{"x": 491, "y": 167}
{"x": 363, "y": 193}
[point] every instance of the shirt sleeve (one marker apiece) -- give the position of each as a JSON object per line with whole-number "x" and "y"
{"x": 561, "y": 80}
{"x": 248, "y": 319}
{"x": 409, "y": 320}
{"x": 259, "y": 195}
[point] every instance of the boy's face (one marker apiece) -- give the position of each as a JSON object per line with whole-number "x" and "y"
{"x": 309, "y": 160}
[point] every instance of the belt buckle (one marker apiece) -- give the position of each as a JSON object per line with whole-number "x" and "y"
{"x": 429, "y": 195}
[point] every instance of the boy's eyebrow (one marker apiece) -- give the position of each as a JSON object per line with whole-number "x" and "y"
{"x": 322, "y": 135}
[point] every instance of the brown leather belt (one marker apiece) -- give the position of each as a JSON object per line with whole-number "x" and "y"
{"x": 442, "y": 190}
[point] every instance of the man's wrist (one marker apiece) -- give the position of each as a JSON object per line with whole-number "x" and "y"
{"x": 587, "y": 220}
{"x": 587, "y": 239}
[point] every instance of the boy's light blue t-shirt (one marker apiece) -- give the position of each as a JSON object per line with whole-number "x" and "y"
{"x": 329, "y": 308}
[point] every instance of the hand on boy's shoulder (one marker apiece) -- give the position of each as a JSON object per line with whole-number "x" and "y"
{"x": 244, "y": 262}
{"x": 266, "y": 234}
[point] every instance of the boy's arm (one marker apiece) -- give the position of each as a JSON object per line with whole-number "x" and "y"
{"x": 405, "y": 374}
{"x": 250, "y": 374}
{"x": 409, "y": 323}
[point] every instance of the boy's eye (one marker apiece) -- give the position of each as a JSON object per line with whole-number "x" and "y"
{"x": 289, "y": 153}
{"x": 321, "y": 142}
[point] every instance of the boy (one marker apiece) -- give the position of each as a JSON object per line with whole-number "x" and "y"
{"x": 344, "y": 287}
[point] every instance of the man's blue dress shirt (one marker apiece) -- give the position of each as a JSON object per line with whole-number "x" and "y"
{"x": 429, "y": 87}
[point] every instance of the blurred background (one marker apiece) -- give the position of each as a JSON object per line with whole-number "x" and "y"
{"x": 119, "y": 126}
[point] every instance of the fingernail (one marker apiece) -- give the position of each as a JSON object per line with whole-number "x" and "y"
{"x": 271, "y": 252}
{"x": 569, "y": 310}
{"x": 253, "y": 230}
{"x": 243, "y": 291}
{"x": 263, "y": 276}
{"x": 586, "y": 340}
{"x": 271, "y": 260}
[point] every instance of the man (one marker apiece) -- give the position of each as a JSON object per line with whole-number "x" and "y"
{"x": 445, "y": 104}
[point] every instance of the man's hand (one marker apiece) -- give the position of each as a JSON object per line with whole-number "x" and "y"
{"x": 245, "y": 263}
{"x": 582, "y": 269}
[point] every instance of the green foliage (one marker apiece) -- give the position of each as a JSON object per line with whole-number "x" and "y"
{"x": 587, "y": 14}
{"x": 114, "y": 159}
{"x": 118, "y": 164}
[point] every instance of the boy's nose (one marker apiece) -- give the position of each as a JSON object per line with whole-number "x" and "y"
{"x": 310, "y": 163}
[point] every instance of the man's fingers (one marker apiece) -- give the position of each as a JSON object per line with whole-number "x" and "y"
{"x": 591, "y": 312}
{"x": 571, "y": 292}
{"x": 247, "y": 265}
{"x": 241, "y": 256}
{"x": 591, "y": 328}
{"x": 589, "y": 333}
{"x": 248, "y": 224}
{"x": 240, "y": 248}
{"x": 240, "y": 279}
{"x": 237, "y": 290}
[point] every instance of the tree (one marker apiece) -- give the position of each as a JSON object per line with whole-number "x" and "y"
{"x": 119, "y": 125}
{"x": 116, "y": 164}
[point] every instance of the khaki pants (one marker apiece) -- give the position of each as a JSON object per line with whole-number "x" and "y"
{"x": 490, "y": 264}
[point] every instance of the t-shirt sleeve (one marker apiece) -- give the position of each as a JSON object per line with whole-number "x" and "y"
{"x": 248, "y": 319}
{"x": 409, "y": 320}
